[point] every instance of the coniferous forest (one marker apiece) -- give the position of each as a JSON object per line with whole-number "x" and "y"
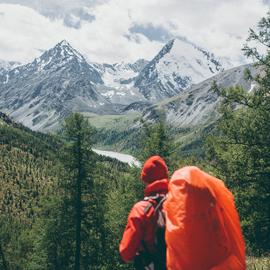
{"x": 64, "y": 207}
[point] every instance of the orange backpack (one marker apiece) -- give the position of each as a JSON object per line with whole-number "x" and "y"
{"x": 202, "y": 224}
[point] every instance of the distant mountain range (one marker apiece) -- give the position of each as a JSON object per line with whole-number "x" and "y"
{"x": 40, "y": 94}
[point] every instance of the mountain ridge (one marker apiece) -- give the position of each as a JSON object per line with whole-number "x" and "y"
{"x": 177, "y": 66}
{"x": 42, "y": 93}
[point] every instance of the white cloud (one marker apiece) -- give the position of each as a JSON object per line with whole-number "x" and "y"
{"x": 24, "y": 32}
{"x": 220, "y": 26}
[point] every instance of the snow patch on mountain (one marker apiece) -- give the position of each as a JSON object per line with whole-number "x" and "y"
{"x": 120, "y": 75}
{"x": 114, "y": 75}
{"x": 188, "y": 61}
{"x": 252, "y": 86}
{"x": 176, "y": 67}
{"x": 109, "y": 94}
{"x": 8, "y": 65}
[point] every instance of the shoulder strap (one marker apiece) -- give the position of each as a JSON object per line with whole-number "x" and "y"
{"x": 160, "y": 203}
{"x": 154, "y": 201}
{"x": 159, "y": 257}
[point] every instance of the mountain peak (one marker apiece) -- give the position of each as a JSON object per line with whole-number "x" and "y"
{"x": 66, "y": 50}
{"x": 187, "y": 56}
{"x": 171, "y": 42}
{"x": 64, "y": 42}
{"x": 182, "y": 46}
{"x": 60, "y": 54}
{"x": 178, "y": 65}
{"x": 166, "y": 48}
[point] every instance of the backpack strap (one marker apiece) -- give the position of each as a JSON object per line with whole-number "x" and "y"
{"x": 159, "y": 257}
{"x": 154, "y": 201}
{"x": 160, "y": 203}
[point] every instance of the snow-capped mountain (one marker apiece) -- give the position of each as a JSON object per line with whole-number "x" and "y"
{"x": 199, "y": 105}
{"x": 58, "y": 82}
{"x": 176, "y": 67}
{"x": 40, "y": 94}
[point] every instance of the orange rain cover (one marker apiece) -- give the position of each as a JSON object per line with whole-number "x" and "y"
{"x": 203, "y": 228}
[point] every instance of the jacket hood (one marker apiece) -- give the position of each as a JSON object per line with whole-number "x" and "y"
{"x": 154, "y": 169}
{"x": 157, "y": 187}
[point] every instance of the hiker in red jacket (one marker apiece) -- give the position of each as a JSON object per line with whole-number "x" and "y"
{"x": 139, "y": 241}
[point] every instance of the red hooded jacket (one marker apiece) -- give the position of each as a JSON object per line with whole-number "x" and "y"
{"x": 140, "y": 227}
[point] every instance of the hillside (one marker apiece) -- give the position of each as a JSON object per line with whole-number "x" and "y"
{"x": 27, "y": 168}
{"x": 190, "y": 115}
{"x": 31, "y": 180}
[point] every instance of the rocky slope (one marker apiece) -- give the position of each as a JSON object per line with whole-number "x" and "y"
{"x": 58, "y": 82}
{"x": 119, "y": 79}
{"x": 176, "y": 67}
{"x": 199, "y": 104}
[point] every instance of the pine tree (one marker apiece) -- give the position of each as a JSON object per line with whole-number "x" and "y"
{"x": 239, "y": 150}
{"x": 78, "y": 159}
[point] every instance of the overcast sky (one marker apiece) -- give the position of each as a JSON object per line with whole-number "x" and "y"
{"x": 125, "y": 30}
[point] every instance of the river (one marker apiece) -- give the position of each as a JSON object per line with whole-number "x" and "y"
{"x": 132, "y": 161}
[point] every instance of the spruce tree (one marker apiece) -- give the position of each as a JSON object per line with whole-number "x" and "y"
{"x": 79, "y": 155}
{"x": 239, "y": 150}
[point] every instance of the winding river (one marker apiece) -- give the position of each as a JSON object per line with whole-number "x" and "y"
{"x": 132, "y": 161}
